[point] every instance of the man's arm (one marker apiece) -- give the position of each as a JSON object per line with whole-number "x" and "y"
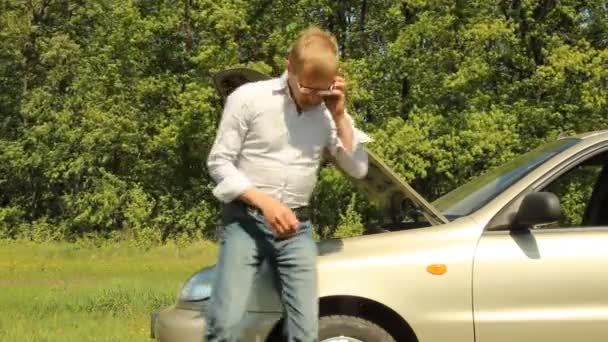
{"x": 231, "y": 183}
{"x": 346, "y": 142}
{"x": 347, "y": 146}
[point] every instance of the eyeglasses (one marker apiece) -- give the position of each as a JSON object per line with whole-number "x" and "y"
{"x": 318, "y": 91}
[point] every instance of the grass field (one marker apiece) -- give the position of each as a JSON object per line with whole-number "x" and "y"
{"x": 67, "y": 292}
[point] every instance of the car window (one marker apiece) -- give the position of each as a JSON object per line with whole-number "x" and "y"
{"x": 476, "y": 193}
{"x": 580, "y": 190}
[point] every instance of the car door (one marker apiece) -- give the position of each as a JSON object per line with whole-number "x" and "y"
{"x": 549, "y": 283}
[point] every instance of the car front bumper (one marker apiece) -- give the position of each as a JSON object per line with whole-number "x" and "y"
{"x": 174, "y": 324}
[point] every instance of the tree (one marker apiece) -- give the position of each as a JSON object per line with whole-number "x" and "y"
{"x": 108, "y": 110}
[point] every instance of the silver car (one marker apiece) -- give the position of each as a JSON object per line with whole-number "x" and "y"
{"x": 518, "y": 254}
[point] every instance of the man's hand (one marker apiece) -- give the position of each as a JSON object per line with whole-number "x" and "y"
{"x": 335, "y": 101}
{"x": 282, "y": 219}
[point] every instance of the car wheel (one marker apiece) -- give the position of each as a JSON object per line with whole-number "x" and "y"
{"x": 351, "y": 329}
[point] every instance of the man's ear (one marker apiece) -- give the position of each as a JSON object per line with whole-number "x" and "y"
{"x": 288, "y": 64}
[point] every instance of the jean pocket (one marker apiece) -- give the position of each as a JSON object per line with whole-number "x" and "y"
{"x": 257, "y": 216}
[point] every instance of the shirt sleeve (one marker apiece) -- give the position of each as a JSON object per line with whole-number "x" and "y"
{"x": 355, "y": 163}
{"x": 232, "y": 129}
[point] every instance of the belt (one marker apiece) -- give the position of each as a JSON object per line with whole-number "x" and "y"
{"x": 302, "y": 213}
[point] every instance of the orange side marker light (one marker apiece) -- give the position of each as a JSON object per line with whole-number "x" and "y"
{"x": 437, "y": 269}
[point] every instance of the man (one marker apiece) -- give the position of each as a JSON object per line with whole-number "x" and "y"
{"x": 265, "y": 160}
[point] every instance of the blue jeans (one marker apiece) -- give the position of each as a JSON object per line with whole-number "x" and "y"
{"x": 247, "y": 240}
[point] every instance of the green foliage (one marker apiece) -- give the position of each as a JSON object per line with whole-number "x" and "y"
{"x": 350, "y": 222}
{"x": 107, "y": 109}
{"x": 574, "y": 190}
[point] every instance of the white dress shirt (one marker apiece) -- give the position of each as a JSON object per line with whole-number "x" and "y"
{"x": 263, "y": 142}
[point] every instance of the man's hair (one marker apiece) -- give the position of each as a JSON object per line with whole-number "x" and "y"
{"x": 317, "y": 48}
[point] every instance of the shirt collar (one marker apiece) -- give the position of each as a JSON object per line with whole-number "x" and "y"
{"x": 281, "y": 86}
{"x": 281, "y": 82}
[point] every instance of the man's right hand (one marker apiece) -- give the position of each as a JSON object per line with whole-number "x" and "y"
{"x": 282, "y": 219}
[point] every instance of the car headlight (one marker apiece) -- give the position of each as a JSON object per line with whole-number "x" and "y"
{"x": 199, "y": 286}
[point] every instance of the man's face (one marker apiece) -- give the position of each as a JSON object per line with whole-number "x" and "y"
{"x": 309, "y": 87}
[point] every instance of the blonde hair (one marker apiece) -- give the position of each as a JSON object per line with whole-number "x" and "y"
{"x": 317, "y": 48}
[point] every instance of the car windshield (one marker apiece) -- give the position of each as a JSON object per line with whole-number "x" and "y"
{"x": 473, "y": 195}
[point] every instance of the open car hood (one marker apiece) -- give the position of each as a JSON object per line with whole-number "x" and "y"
{"x": 381, "y": 183}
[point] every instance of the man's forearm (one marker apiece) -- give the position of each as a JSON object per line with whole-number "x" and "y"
{"x": 254, "y": 197}
{"x": 348, "y": 153}
{"x": 345, "y": 132}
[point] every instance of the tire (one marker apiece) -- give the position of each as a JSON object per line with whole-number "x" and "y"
{"x": 351, "y": 327}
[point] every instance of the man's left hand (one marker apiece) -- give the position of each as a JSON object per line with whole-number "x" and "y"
{"x": 335, "y": 101}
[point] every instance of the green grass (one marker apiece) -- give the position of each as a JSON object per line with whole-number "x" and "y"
{"x": 70, "y": 292}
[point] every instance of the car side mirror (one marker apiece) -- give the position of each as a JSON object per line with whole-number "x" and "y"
{"x": 537, "y": 208}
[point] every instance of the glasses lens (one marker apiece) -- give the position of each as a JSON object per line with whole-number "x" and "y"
{"x": 308, "y": 91}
